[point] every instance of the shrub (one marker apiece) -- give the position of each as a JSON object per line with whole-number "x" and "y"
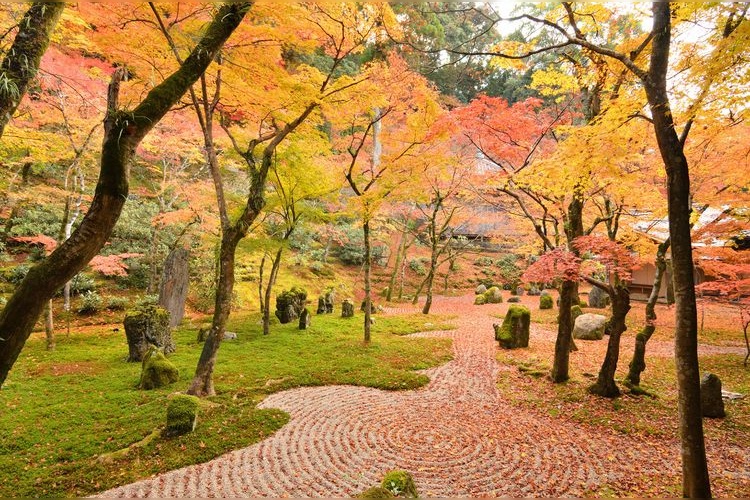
{"x": 400, "y": 483}
{"x": 417, "y": 266}
{"x": 91, "y": 303}
{"x": 117, "y": 303}
{"x": 545, "y": 302}
{"x": 182, "y": 415}
{"x": 18, "y": 273}
{"x": 483, "y": 261}
{"x": 82, "y": 283}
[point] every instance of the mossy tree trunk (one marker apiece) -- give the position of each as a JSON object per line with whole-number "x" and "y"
{"x": 21, "y": 61}
{"x": 620, "y": 296}
{"x": 638, "y": 363}
{"x": 123, "y": 132}
{"x": 560, "y": 364}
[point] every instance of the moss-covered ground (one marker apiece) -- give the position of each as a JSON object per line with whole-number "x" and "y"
{"x": 61, "y": 410}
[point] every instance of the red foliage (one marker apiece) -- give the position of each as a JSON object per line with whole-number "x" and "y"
{"x": 112, "y": 265}
{"x": 615, "y": 257}
{"x": 40, "y": 240}
{"x": 555, "y": 264}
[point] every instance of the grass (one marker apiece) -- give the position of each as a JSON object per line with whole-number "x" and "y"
{"x": 62, "y": 409}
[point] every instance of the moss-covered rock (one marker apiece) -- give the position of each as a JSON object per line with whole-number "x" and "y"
{"x": 289, "y": 304}
{"x": 156, "y": 370}
{"x": 145, "y": 325}
{"x": 376, "y": 492}
{"x": 514, "y": 332}
{"x": 400, "y": 483}
{"x": 182, "y": 415}
{"x": 480, "y": 300}
{"x": 545, "y": 302}
{"x": 493, "y": 295}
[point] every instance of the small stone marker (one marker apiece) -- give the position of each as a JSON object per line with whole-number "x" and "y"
{"x": 712, "y": 405}
{"x": 304, "y": 319}
{"x": 347, "y": 308}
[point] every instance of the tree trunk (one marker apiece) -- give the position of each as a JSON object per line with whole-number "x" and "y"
{"x": 22, "y": 59}
{"x": 605, "y": 384}
{"x": 49, "y": 327}
{"x": 202, "y": 384}
{"x": 399, "y": 250}
{"x": 695, "y": 479}
{"x": 564, "y": 334}
{"x": 638, "y": 363}
{"x": 174, "y": 284}
{"x": 429, "y": 281}
{"x": 261, "y": 295}
{"x": 271, "y": 282}
{"x": 123, "y": 131}
{"x": 367, "y": 265}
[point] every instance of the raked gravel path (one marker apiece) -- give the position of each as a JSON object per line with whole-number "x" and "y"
{"x": 457, "y": 436}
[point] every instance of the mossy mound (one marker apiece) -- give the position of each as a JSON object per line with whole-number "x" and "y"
{"x": 514, "y": 332}
{"x": 545, "y": 302}
{"x": 575, "y": 311}
{"x": 493, "y": 295}
{"x": 289, "y": 304}
{"x": 400, "y": 483}
{"x": 480, "y": 300}
{"x": 157, "y": 371}
{"x": 376, "y": 492}
{"x": 182, "y": 415}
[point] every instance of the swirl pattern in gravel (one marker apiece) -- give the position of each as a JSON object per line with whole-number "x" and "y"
{"x": 457, "y": 436}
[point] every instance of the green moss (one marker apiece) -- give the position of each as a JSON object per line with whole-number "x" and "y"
{"x": 514, "y": 331}
{"x": 182, "y": 414}
{"x": 157, "y": 370}
{"x": 480, "y": 300}
{"x": 545, "y": 302}
{"x": 400, "y": 483}
{"x": 376, "y": 492}
{"x": 493, "y": 295}
{"x": 575, "y": 311}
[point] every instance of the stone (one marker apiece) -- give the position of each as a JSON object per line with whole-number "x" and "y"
{"x": 230, "y": 336}
{"x": 329, "y": 299}
{"x": 545, "y": 302}
{"x": 480, "y": 289}
{"x": 519, "y": 291}
{"x": 373, "y": 307}
{"x": 514, "y": 299}
{"x": 289, "y": 304}
{"x": 534, "y": 291}
{"x": 147, "y": 325}
{"x": 156, "y": 370}
{"x": 589, "y": 327}
{"x": 598, "y": 298}
{"x": 321, "y": 305}
{"x": 347, "y": 308}
{"x": 493, "y": 295}
{"x": 203, "y": 332}
{"x": 514, "y": 332}
{"x": 544, "y": 293}
{"x": 712, "y": 405}
{"x": 480, "y": 300}
{"x": 182, "y": 415}
{"x": 175, "y": 279}
{"x": 400, "y": 484}
{"x": 304, "y": 319}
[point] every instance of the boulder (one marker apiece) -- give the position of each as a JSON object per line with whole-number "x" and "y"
{"x": 156, "y": 370}
{"x": 589, "y": 327}
{"x": 304, "y": 319}
{"x": 321, "y": 305}
{"x": 182, "y": 415}
{"x": 514, "y": 332}
{"x": 493, "y": 295}
{"x": 514, "y": 299}
{"x": 545, "y": 302}
{"x": 480, "y": 289}
{"x": 534, "y": 291}
{"x": 147, "y": 325}
{"x": 519, "y": 291}
{"x": 400, "y": 483}
{"x": 480, "y": 300}
{"x": 329, "y": 298}
{"x": 544, "y": 293}
{"x": 598, "y": 298}
{"x": 347, "y": 308}
{"x": 289, "y": 304}
{"x": 712, "y": 405}
{"x": 230, "y": 336}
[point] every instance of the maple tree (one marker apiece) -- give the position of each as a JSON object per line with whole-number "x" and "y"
{"x": 123, "y": 131}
